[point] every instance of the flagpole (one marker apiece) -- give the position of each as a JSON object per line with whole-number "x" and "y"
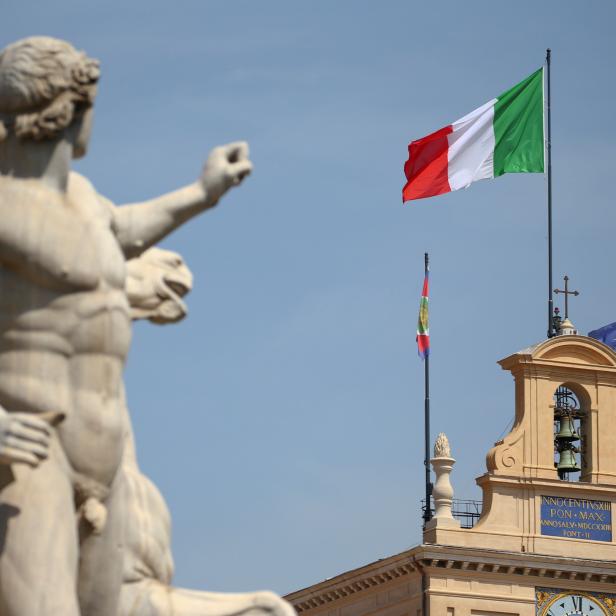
{"x": 428, "y": 510}
{"x": 548, "y": 57}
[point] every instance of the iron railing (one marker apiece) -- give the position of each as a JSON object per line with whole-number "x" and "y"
{"x": 465, "y": 510}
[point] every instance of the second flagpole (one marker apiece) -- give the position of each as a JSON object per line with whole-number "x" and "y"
{"x": 428, "y": 509}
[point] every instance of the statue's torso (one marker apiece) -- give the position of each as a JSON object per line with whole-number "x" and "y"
{"x": 64, "y": 319}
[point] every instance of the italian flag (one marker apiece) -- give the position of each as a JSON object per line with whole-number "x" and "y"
{"x": 503, "y": 136}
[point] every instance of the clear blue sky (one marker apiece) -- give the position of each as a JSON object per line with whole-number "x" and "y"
{"x": 283, "y": 420}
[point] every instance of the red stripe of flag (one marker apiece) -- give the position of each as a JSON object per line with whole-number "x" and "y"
{"x": 426, "y": 169}
{"x": 423, "y": 345}
{"x": 424, "y": 291}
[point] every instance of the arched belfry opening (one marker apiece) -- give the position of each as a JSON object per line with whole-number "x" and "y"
{"x": 570, "y": 434}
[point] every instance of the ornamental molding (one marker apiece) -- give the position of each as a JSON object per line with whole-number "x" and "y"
{"x": 438, "y": 559}
{"x": 352, "y": 582}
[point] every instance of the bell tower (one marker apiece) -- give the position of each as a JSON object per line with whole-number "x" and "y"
{"x": 551, "y": 482}
{"x": 544, "y": 544}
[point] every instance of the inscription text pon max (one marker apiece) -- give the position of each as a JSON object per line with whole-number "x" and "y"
{"x": 576, "y": 518}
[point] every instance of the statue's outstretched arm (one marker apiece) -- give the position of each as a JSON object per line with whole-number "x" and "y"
{"x": 140, "y": 225}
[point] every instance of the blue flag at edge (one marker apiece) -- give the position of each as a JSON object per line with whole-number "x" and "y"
{"x": 605, "y": 334}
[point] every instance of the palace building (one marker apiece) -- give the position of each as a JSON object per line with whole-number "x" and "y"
{"x": 543, "y": 544}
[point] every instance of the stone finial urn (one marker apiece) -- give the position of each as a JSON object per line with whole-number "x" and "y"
{"x": 442, "y": 492}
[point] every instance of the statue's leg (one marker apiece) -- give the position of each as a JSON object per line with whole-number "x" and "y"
{"x": 148, "y": 566}
{"x": 151, "y": 598}
{"x": 146, "y": 597}
{"x": 100, "y": 559}
{"x": 203, "y": 603}
{"x": 38, "y": 539}
{"x": 148, "y": 563}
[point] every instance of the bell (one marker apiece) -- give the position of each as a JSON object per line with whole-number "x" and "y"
{"x": 567, "y": 462}
{"x": 567, "y": 430}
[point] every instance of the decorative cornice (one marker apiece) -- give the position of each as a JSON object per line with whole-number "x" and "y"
{"x": 350, "y": 588}
{"x": 353, "y": 581}
{"x": 432, "y": 558}
{"x": 570, "y": 352}
{"x": 555, "y": 486}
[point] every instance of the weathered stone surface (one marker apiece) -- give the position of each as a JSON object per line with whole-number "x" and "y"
{"x": 66, "y": 471}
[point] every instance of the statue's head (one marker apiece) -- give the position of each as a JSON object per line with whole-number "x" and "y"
{"x": 156, "y": 281}
{"x": 46, "y": 87}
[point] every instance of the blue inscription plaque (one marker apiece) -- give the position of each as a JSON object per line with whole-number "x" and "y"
{"x": 576, "y": 518}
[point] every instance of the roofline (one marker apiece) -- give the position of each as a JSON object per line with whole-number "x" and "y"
{"x": 532, "y": 351}
{"x": 547, "y": 569}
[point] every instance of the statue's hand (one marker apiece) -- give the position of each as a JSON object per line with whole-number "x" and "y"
{"x": 226, "y": 166}
{"x": 24, "y": 438}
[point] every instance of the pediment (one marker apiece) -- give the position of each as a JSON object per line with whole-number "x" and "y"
{"x": 576, "y": 350}
{"x": 580, "y": 350}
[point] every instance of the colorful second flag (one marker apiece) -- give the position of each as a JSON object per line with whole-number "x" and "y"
{"x": 503, "y": 136}
{"x": 423, "y": 331}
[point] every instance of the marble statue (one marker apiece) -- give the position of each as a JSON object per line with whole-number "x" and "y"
{"x": 65, "y": 329}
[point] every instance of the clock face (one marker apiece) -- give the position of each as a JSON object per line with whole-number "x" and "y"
{"x": 574, "y": 604}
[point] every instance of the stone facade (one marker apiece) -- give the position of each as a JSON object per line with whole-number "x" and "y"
{"x": 509, "y": 564}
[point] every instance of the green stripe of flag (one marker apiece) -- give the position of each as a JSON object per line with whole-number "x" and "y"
{"x": 422, "y": 321}
{"x": 518, "y": 128}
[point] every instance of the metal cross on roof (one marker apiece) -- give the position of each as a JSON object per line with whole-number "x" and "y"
{"x": 566, "y": 293}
